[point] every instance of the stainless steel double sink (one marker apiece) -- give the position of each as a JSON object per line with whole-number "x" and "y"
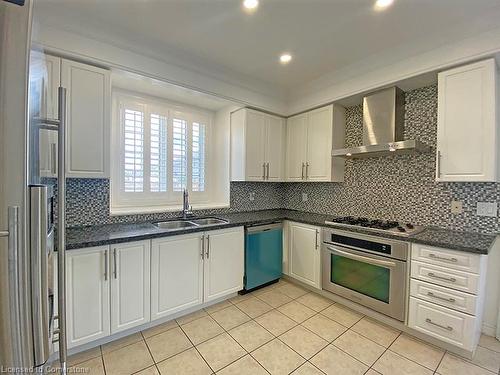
{"x": 189, "y": 223}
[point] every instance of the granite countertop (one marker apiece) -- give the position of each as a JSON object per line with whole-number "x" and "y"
{"x": 80, "y": 237}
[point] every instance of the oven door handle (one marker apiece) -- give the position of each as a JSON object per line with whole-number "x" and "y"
{"x": 377, "y": 262}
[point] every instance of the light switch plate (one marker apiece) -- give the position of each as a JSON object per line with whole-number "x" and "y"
{"x": 487, "y": 209}
{"x": 251, "y": 196}
{"x": 304, "y": 197}
{"x": 456, "y": 207}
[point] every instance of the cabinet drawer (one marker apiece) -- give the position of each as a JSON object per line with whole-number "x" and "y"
{"x": 442, "y": 323}
{"x": 447, "y": 258}
{"x": 466, "y": 282}
{"x": 447, "y": 297}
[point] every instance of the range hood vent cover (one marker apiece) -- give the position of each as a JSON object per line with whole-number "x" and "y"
{"x": 383, "y": 127}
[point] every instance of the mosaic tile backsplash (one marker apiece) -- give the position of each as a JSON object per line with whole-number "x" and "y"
{"x": 400, "y": 187}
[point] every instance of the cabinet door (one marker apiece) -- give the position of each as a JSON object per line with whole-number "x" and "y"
{"x": 176, "y": 274}
{"x": 87, "y": 295}
{"x": 130, "y": 285}
{"x": 224, "y": 263}
{"x": 275, "y": 148}
{"x": 467, "y": 125}
{"x": 45, "y": 74}
{"x": 88, "y": 119}
{"x": 319, "y": 144}
{"x": 304, "y": 243}
{"x": 255, "y": 145}
{"x": 296, "y": 145}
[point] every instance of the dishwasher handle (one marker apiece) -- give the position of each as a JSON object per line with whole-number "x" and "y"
{"x": 264, "y": 228}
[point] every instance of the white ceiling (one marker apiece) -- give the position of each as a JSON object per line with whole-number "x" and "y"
{"x": 323, "y": 35}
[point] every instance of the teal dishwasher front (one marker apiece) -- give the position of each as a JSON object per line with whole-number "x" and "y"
{"x": 263, "y": 255}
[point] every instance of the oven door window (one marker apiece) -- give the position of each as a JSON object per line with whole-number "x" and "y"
{"x": 368, "y": 279}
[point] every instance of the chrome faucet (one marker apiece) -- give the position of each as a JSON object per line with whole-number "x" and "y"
{"x": 186, "y": 208}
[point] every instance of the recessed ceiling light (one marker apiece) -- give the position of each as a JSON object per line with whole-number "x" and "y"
{"x": 382, "y": 4}
{"x": 285, "y": 58}
{"x": 251, "y": 4}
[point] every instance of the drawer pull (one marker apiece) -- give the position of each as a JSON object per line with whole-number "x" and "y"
{"x": 448, "y": 328}
{"x": 450, "y": 279}
{"x": 434, "y": 256}
{"x": 430, "y": 294}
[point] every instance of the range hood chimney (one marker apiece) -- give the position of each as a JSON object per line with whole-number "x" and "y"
{"x": 383, "y": 127}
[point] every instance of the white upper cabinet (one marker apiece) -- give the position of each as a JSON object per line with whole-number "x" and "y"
{"x": 467, "y": 136}
{"x": 310, "y": 139}
{"x": 257, "y": 146}
{"x": 88, "y": 119}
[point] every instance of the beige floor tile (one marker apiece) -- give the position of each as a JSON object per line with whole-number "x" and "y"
{"x": 159, "y": 328}
{"x": 307, "y": 369}
{"x": 218, "y": 306}
{"x": 230, "y": 317}
{"x": 490, "y": 342}
{"x": 378, "y": 332}
{"x": 292, "y": 291}
{"x": 202, "y": 329}
{"x": 240, "y": 298}
{"x": 244, "y": 366}
{"x": 315, "y": 301}
{"x": 93, "y": 366}
{"x": 274, "y": 298}
{"x": 277, "y": 358}
{"x": 121, "y": 343}
{"x": 359, "y": 347}
{"x": 393, "y": 364}
{"x": 188, "y": 362}
{"x": 297, "y": 311}
{"x": 275, "y": 322}
{"x": 168, "y": 344}
{"x": 342, "y": 315}
{"x": 84, "y": 356}
{"x": 418, "y": 351}
{"x": 486, "y": 358}
{"x": 128, "y": 360}
{"x": 303, "y": 341}
{"x": 324, "y": 327}
{"x": 332, "y": 360}
{"x": 250, "y": 335}
{"x": 266, "y": 289}
{"x": 220, "y": 351}
{"x": 190, "y": 317}
{"x": 254, "y": 307}
{"x": 453, "y": 365}
{"x": 148, "y": 371}
{"x": 372, "y": 372}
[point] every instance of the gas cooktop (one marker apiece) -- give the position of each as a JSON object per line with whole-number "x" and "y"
{"x": 376, "y": 225}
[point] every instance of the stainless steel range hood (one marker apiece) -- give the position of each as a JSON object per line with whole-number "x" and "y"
{"x": 383, "y": 127}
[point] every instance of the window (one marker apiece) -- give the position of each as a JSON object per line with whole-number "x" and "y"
{"x": 159, "y": 150}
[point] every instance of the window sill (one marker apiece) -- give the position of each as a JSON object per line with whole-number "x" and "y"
{"x": 119, "y": 211}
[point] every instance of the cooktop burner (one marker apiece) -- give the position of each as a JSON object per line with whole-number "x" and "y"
{"x": 376, "y": 225}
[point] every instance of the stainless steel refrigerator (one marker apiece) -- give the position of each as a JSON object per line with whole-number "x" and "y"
{"x": 29, "y": 322}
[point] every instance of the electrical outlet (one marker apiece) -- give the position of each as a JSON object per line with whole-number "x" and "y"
{"x": 251, "y": 196}
{"x": 304, "y": 197}
{"x": 487, "y": 209}
{"x": 456, "y": 207}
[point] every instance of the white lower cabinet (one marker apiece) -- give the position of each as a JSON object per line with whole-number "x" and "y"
{"x": 87, "y": 295}
{"x": 304, "y": 253}
{"x": 176, "y": 274}
{"x": 130, "y": 285}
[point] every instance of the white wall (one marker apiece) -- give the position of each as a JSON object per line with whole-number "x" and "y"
{"x": 492, "y": 300}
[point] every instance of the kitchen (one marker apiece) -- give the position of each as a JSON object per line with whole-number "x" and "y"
{"x": 288, "y": 206}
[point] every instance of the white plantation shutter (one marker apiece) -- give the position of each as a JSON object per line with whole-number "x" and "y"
{"x": 133, "y": 166}
{"x": 179, "y": 158}
{"x": 158, "y": 153}
{"x": 198, "y": 158}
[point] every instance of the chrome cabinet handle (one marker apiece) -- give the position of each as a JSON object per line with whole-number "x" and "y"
{"x": 53, "y": 158}
{"x": 202, "y": 246}
{"x": 316, "y": 239}
{"x": 438, "y": 164}
{"x": 302, "y": 173}
{"x": 267, "y": 167}
{"x": 430, "y": 294}
{"x": 106, "y": 265}
{"x": 115, "y": 271}
{"x": 434, "y": 256}
{"x": 448, "y": 328}
{"x": 263, "y": 171}
{"x": 208, "y": 246}
{"x": 450, "y": 279}
{"x": 307, "y": 170}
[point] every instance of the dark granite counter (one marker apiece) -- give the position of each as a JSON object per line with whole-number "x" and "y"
{"x": 80, "y": 237}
